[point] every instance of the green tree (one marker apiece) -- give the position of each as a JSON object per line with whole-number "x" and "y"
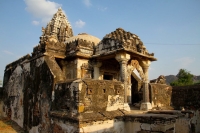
{"x": 184, "y": 78}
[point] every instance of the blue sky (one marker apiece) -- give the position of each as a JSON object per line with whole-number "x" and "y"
{"x": 169, "y": 28}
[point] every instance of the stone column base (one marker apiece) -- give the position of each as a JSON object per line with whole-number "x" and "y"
{"x": 146, "y": 106}
{"x": 126, "y": 107}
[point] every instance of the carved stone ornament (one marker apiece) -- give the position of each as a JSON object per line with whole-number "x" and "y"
{"x": 160, "y": 80}
{"x": 135, "y": 65}
{"x": 121, "y": 39}
{"x": 57, "y": 31}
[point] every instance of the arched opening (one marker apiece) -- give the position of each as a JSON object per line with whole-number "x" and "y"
{"x": 135, "y": 90}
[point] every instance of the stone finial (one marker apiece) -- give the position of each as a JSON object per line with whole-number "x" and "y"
{"x": 59, "y": 9}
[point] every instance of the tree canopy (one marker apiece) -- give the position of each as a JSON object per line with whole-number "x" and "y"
{"x": 184, "y": 78}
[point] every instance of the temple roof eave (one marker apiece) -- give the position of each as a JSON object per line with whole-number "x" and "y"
{"x": 132, "y": 53}
{"x": 78, "y": 55}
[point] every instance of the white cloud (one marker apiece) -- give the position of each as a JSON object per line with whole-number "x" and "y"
{"x": 8, "y": 52}
{"x": 87, "y": 3}
{"x": 79, "y": 24}
{"x": 102, "y": 9}
{"x": 42, "y": 9}
{"x": 185, "y": 61}
{"x": 35, "y": 22}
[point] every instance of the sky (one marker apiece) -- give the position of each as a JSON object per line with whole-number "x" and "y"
{"x": 168, "y": 28}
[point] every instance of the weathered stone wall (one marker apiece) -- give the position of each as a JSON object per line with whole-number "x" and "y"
{"x": 160, "y": 95}
{"x": 87, "y": 105}
{"x": 64, "y": 126}
{"x": 13, "y": 91}
{"x": 1, "y": 102}
{"x": 70, "y": 68}
{"x": 87, "y": 95}
{"x": 104, "y": 126}
{"x": 84, "y": 68}
{"x": 186, "y": 96}
{"x": 27, "y": 94}
{"x": 101, "y": 95}
{"x": 1, "y": 93}
{"x": 149, "y": 122}
{"x": 110, "y": 67}
{"x": 76, "y": 68}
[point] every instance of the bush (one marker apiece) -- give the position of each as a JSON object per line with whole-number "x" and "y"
{"x": 184, "y": 78}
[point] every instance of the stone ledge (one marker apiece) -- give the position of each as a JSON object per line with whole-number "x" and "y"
{"x": 151, "y": 118}
{"x": 88, "y": 117}
{"x": 167, "y": 112}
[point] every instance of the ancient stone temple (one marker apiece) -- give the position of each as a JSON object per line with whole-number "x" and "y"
{"x": 72, "y": 84}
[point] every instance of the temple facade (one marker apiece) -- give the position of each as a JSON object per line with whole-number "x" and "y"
{"x": 72, "y": 84}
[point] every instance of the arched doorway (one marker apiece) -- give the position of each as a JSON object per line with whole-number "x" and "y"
{"x": 135, "y": 89}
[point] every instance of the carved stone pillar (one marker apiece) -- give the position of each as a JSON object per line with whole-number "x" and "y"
{"x": 123, "y": 58}
{"x": 96, "y": 66}
{"x": 123, "y": 69}
{"x": 146, "y": 105}
{"x": 129, "y": 84}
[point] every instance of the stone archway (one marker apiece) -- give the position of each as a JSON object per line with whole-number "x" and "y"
{"x": 135, "y": 79}
{"x": 136, "y": 94}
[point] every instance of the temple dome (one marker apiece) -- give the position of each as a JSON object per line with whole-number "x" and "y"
{"x": 85, "y": 37}
{"x": 123, "y": 36}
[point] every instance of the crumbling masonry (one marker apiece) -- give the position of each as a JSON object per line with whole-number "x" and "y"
{"x": 80, "y": 83}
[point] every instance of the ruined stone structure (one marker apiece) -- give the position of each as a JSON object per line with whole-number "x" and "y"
{"x": 80, "y": 83}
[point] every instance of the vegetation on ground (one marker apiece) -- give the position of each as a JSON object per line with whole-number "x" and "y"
{"x": 9, "y": 126}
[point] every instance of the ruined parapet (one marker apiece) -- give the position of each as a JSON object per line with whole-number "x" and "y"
{"x": 160, "y": 80}
{"x": 87, "y": 95}
{"x": 160, "y": 96}
{"x": 27, "y": 84}
{"x": 88, "y": 105}
{"x": 12, "y": 66}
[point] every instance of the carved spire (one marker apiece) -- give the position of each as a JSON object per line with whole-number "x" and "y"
{"x": 57, "y": 31}
{"x": 59, "y": 27}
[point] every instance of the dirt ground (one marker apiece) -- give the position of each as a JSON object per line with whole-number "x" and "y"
{"x": 9, "y": 126}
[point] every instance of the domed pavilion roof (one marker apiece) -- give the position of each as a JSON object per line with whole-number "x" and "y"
{"x": 81, "y": 45}
{"x": 121, "y": 40}
{"x": 84, "y": 37}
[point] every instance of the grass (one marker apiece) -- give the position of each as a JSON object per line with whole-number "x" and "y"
{"x": 9, "y": 126}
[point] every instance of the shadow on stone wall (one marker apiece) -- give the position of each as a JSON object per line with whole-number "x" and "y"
{"x": 187, "y": 97}
{"x": 1, "y": 93}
